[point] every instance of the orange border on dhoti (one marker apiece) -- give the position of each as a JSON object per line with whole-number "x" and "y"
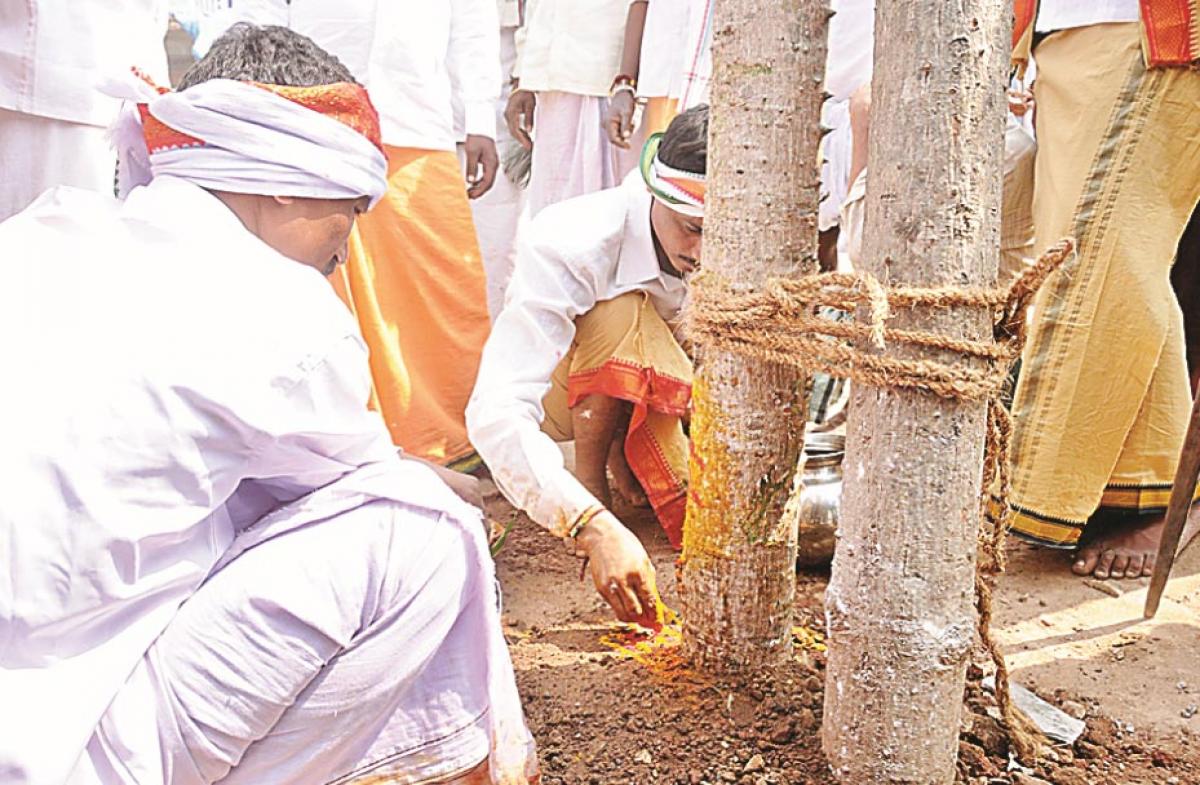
{"x": 651, "y": 393}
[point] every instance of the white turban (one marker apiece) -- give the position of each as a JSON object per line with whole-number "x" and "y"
{"x": 245, "y": 138}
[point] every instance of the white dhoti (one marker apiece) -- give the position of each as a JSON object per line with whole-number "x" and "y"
{"x": 498, "y": 212}
{"x": 572, "y": 154}
{"x": 835, "y": 152}
{"x": 347, "y": 637}
{"x": 39, "y": 153}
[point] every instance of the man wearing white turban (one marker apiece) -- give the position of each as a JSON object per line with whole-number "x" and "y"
{"x": 217, "y": 567}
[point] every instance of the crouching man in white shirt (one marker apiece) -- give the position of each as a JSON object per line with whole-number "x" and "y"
{"x": 217, "y": 568}
{"x": 584, "y": 350}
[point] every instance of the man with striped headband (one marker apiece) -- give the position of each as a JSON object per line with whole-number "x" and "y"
{"x": 584, "y": 349}
{"x": 218, "y": 568}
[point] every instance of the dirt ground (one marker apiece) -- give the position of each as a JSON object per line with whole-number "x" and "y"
{"x": 605, "y": 713}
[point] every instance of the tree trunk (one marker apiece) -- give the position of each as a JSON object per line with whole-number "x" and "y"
{"x": 900, "y": 600}
{"x": 738, "y": 573}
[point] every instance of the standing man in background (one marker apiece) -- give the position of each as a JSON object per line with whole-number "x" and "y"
{"x": 414, "y": 277}
{"x": 568, "y": 66}
{"x": 53, "y": 121}
{"x": 1104, "y": 399}
{"x": 498, "y": 212}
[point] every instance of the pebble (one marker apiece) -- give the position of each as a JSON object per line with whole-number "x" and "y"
{"x": 755, "y": 764}
{"x": 643, "y": 756}
{"x": 1075, "y": 709}
{"x": 1104, "y": 587}
{"x": 1189, "y": 712}
{"x": 1028, "y": 779}
{"x": 782, "y": 732}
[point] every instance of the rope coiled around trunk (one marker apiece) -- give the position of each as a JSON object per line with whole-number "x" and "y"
{"x": 779, "y": 324}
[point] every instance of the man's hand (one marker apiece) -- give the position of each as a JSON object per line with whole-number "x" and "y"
{"x": 465, "y": 486}
{"x": 619, "y": 122}
{"x": 482, "y": 163}
{"x": 518, "y": 115}
{"x": 621, "y": 569}
{"x": 1019, "y": 101}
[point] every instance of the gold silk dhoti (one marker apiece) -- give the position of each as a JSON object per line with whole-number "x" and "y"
{"x": 624, "y": 349}
{"x": 1103, "y": 400}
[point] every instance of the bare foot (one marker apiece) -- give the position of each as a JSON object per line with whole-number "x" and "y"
{"x": 1126, "y": 546}
{"x": 622, "y": 479}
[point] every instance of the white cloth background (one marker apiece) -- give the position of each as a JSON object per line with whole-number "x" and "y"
{"x": 572, "y": 155}
{"x": 497, "y": 214}
{"x": 431, "y": 67}
{"x": 38, "y": 153}
{"x": 573, "y": 46}
{"x": 664, "y": 39}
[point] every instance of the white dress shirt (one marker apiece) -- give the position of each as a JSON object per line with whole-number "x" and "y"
{"x": 54, "y": 53}
{"x": 572, "y": 46}
{"x": 850, "y": 56}
{"x": 1064, "y": 14}
{"x": 573, "y": 255}
{"x": 170, "y": 379}
{"x": 664, "y": 42}
{"x": 509, "y": 12}
{"x": 417, "y": 58}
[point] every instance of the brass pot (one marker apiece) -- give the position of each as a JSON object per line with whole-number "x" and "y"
{"x": 820, "y": 498}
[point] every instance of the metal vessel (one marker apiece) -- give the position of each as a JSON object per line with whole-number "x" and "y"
{"x": 820, "y": 498}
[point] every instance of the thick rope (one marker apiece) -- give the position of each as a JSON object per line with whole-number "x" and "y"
{"x": 780, "y": 324}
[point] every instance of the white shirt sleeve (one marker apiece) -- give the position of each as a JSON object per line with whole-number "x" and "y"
{"x": 520, "y": 35}
{"x": 320, "y": 428}
{"x": 529, "y": 339}
{"x": 473, "y": 61}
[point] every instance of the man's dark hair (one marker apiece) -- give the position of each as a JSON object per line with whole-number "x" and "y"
{"x": 685, "y": 144}
{"x": 267, "y": 54}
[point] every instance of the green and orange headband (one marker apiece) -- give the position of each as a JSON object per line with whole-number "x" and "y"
{"x": 679, "y": 190}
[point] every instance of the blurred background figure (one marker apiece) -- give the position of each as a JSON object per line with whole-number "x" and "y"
{"x": 568, "y": 65}
{"x": 53, "y": 120}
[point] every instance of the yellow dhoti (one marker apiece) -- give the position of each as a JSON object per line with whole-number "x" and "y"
{"x": 624, "y": 349}
{"x": 1103, "y": 399}
{"x": 415, "y": 282}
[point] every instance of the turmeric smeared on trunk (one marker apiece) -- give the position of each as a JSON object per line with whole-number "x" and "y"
{"x": 747, "y": 428}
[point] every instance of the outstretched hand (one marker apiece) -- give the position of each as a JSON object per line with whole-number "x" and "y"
{"x": 621, "y": 569}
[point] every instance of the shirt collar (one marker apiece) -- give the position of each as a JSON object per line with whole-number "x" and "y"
{"x": 636, "y": 261}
